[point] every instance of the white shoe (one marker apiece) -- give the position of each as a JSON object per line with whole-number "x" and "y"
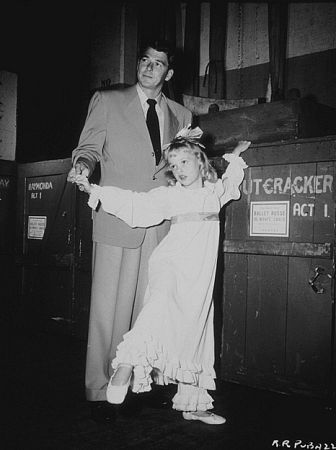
{"x": 210, "y": 418}
{"x": 117, "y": 394}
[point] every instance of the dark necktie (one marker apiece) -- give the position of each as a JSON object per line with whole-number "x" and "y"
{"x": 154, "y": 129}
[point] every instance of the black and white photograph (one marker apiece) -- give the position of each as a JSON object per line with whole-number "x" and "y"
{"x": 168, "y": 224}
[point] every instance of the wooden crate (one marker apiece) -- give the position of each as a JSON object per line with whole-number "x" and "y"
{"x": 278, "y": 328}
{"x": 267, "y": 122}
{"x": 53, "y": 248}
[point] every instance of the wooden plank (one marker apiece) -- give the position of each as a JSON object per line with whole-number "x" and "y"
{"x": 8, "y": 186}
{"x": 258, "y": 123}
{"x": 266, "y": 315}
{"x": 297, "y": 151}
{"x": 277, "y": 35}
{"x": 234, "y": 316}
{"x": 302, "y": 202}
{"x": 217, "y": 49}
{"x": 236, "y": 219}
{"x": 44, "y": 167}
{"x": 297, "y": 249}
{"x": 324, "y": 213}
{"x": 266, "y": 122}
{"x": 308, "y": 339}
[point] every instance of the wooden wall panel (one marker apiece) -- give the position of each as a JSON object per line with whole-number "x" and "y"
{"x": 266, "y": 315}
{"x": 302, "y": 230}
{"x": 324, "y": 228}
{"x": 309, "y": 326}
{"x": 236, "y": 223}
{"x": 234, "y": 315}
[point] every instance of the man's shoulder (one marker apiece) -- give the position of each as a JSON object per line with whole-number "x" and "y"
{"x": 177, "y": 108}
{"x": 121, "y": 93}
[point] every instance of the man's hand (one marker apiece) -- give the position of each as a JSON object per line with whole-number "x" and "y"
{"x": 80, "y": 168}
{"x": 83, "y": 183}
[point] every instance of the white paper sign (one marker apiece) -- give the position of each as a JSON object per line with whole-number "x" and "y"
{"x": 269, "y": 219}
{"x": 36, "y": 226}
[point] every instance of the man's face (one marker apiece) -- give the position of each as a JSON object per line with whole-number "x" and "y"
{"x": 153, "y": 70}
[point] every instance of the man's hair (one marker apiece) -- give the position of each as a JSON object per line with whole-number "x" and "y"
{"x": 160, "y": 45}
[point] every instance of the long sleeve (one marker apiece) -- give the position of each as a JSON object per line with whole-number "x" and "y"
{"x": 93, "y": 135}
{"x": 231, "y": 178}
{"x": 137, "y": 209}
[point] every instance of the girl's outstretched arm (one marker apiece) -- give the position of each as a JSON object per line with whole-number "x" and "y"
{"x": 137, "y": 209}
{"x": 234, "y": 174}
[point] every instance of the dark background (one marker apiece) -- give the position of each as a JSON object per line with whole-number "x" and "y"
{"x": 47, "y": 46}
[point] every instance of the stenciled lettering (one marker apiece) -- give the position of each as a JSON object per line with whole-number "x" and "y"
{"x": 4, "y": 183}
{"x": 41, "y": 186}
{"x": 307, "y": 184}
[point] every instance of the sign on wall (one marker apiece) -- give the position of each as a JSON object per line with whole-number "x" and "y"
{"x": 36, "y": 227}
{"x": 269, "y": 219}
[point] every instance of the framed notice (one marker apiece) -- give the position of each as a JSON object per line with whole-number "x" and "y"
{"x": 269, "y": 219}
{"x": 36, "y": 226}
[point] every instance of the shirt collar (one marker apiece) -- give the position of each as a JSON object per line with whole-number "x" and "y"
{"x": 143, "y": 97}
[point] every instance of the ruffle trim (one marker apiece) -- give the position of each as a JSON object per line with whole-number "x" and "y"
{"x": 198, "y": 401}
{"x": 147, "y": 353}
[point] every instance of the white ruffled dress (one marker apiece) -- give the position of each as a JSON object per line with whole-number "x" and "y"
{"x": 174, "y": 331}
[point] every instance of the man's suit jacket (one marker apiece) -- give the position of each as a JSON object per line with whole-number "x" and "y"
{"x": 115, "y": 134}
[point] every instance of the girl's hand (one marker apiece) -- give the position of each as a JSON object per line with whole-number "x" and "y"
{"x": 83, "y": 183}
{"x": 241, "y": 147}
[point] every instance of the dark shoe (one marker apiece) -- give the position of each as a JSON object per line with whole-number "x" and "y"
{"x": 102, "y": 412}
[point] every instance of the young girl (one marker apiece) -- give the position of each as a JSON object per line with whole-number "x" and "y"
{"x": 173, "y": 333}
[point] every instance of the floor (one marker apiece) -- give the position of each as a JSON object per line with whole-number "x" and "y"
{"x": 47, "y": 410}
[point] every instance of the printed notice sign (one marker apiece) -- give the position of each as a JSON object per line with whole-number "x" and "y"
{"x": 36, "y": 226}
{"x": 269, "y": 219}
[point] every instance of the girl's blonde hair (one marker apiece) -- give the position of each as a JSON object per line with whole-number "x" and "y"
{"x": 194, "y": 147}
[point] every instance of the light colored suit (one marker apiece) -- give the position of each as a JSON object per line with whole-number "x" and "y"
{"x": 116, "y": 135}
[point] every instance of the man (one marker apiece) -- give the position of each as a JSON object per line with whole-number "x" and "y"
{"x": 116, "y": 135}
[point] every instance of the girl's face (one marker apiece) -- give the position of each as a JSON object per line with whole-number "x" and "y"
{"x": 186, "y": 168}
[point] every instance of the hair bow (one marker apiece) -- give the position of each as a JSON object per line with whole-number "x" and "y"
{"x": 188, "y": 135}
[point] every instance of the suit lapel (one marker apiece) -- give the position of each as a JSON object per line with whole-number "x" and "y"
{"x": 135, "y": 114}
{"x": 171, "y": 125}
